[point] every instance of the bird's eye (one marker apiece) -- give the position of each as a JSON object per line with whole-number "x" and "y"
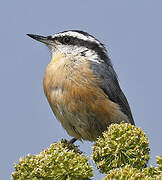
{"x": 66, "y": 40}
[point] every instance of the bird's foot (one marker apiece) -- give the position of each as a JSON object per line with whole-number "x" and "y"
{"x": 72, "y": 140}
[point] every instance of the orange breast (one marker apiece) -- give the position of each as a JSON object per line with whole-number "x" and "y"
{"x": 77, "y": 100}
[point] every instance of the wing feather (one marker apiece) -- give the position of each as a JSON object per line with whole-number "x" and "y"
{"x": 108, "y": 81}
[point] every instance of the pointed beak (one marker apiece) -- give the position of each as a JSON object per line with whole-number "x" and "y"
{"x": 43, "y": 39}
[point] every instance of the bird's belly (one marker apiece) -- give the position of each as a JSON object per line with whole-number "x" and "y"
{"x": 79, "y": 125}
{"x": 84, "y": 118}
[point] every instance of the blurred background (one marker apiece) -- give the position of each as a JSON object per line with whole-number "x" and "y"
{"x": 132, "y": 34}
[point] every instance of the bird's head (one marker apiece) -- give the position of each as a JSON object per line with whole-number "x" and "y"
{"x": 74, "y": 42}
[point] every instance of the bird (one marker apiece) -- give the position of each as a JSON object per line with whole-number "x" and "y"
{"x": 81, "y": 85}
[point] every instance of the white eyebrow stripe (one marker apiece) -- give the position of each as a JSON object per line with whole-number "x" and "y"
{"x": 77, "y": 35}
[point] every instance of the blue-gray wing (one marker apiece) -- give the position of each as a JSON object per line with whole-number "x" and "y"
{"x": 109, "y": 83}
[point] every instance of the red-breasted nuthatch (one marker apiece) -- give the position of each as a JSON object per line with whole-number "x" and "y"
{"x": 81, "y": 85}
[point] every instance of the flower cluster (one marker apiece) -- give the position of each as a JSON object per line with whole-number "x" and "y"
{"x": 121, "y": 145}
{"x": 61, "y": 160}
{"x": 122, "y": 153}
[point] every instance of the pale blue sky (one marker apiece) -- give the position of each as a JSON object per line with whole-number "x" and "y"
{"x": 132, "y": 33}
